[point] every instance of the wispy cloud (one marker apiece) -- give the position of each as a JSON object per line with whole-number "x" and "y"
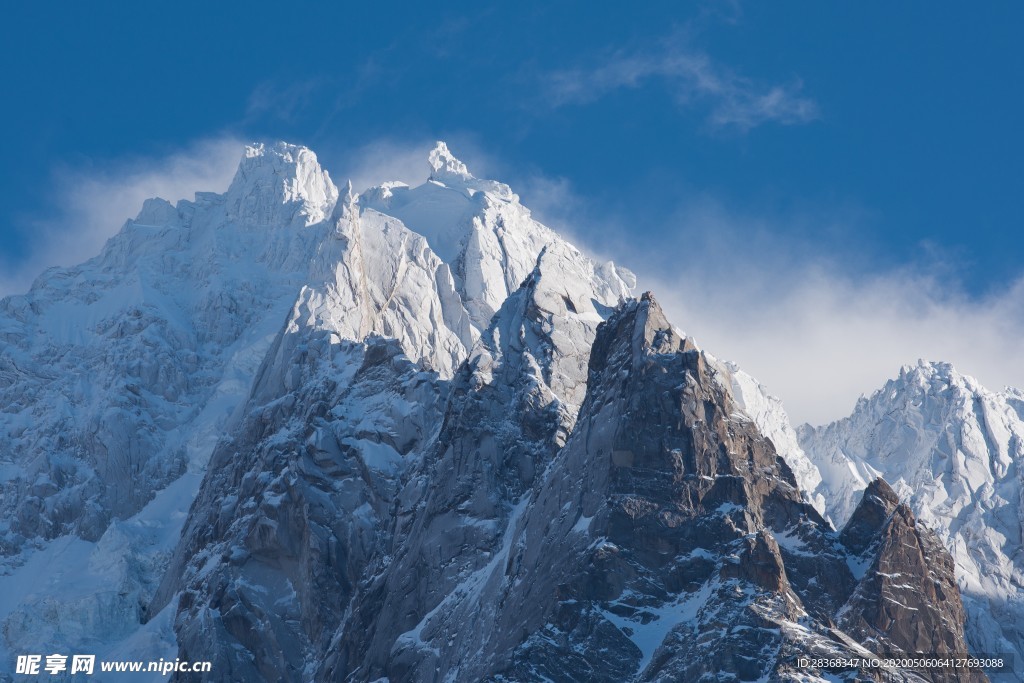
{"x": 384, "y": 160}
{"x": 284, "y": 100}
{"x": 91, "y": 204}
{"x": 820, "y": 336}
{"x": 693, "y": 78}
{"x": 315, "y": 100}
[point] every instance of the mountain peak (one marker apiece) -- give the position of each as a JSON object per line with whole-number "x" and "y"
{"x": 278, "y": 154}
{"x": 275, "y": 184}
{"x": 450, "y": 172}
{"x": 870, "y": 516}
{"x": 939, "y": 380}
{"x": 443, "y": 164}
{"x": 930, "y": 369}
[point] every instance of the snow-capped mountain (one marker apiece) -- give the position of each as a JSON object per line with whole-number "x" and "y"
{"x": 412, "y": 434}
{"x": 119, "y": 376}
{"x": 953, "y": 450}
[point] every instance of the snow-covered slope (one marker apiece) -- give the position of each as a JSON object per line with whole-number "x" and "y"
{"x": 106, "y": 363}
{"x": 118, "y": 377}
{"x": 953, "y": 450}
{"x": 770, "y": 417}
{"x": 477, "y": 226}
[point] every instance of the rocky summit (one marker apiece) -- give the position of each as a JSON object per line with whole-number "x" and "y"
{"x": 410, "y": 434}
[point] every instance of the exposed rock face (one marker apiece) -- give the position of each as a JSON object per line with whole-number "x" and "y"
{"x": 654, "y": 536}
{"x": 907, "y": 600}
{"x": 294, "y": 507}
{"x": 770, "y": 417}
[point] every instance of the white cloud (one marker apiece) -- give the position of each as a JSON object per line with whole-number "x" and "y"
{"x": 819, "y": 338}
{"x": 819, "y": 329}
{"x": 693, "y": 78}
{"x": 91, "y": 205}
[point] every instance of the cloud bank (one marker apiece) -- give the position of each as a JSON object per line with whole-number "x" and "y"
{"x": 91, "y": 204}
{"x": 819, "y": 337}
{"x": 818, "y": 326}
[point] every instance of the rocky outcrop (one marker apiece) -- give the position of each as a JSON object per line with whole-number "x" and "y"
{"x": 907, "y": 600}
{"x": 651, "y": 535}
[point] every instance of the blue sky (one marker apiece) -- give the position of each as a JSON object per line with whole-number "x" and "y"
{"x": 803, "y": 176}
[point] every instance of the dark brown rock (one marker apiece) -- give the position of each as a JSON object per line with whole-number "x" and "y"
{"x": 907, "y": 602}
